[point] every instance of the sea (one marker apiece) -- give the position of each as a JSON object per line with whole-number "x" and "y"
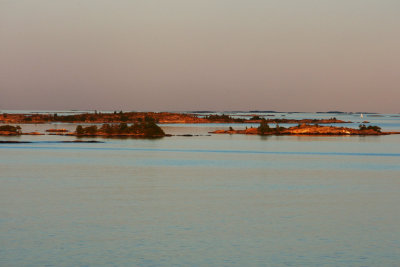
{"x": 202, "y": 200}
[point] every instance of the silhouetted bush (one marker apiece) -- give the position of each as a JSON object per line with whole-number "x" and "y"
{"x": 223, "y": 118}
{"x": 264, "y": 127}
{"x": 10, "y": 128}
{"x": 370, "y": 127}
{"x": 90, "y": 130}
{"x": 147, "y": 129}
{"x": 255, "y": 118}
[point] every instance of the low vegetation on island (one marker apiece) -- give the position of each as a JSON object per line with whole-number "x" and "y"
{"x": 306, "y": 129}
{"x": 142, "y": 129}
{"x": 158, "y": 117}
{"x": 363, "y": 127}
{"x": 10, "y": 130}
{"x": 147, "y": 128}
{"x": 223, "y": 119}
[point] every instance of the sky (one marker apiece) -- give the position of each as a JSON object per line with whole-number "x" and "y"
{"x": 175, "y": 55}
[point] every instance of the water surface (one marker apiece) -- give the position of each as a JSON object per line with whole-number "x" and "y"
{"x": 220, "y": 200}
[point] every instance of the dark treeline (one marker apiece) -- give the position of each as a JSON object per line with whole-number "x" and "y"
{"x": 158, "y": 117}
{"x": 265, "y": 129}
{"x": 10, "y": 128}
{"x": 92, "y": 117}
{"x": 145, "y": 128}
{"x": 223, "y": 118}
{"x": 111, "y": 117}
{"x": 370, "y": 127}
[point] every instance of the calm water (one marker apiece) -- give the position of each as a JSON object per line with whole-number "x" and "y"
{"x": 221, "y": 200}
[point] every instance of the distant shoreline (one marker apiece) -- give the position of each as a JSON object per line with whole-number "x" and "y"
{"x": 158, "y": 117}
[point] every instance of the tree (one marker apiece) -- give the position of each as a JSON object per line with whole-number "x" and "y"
{"x": 91, "y": 129}
{"x": 10, "y": 128}
{"x": 151, "y": 129}
{"x": 370, "y": 127}
{"x": 149, "y": 119}
{"x": 362, "y": 127}
{"x": 375, "y": 128}
{"x": 279, "y": 129}
{"x": 123, "y": 128}
{"x": 264, "y": 127}
{"x": 106, "y": 128}
{"x": 254, "y": 118}
{"x": 124, "y": 118}
{"x": 79, "y": 130}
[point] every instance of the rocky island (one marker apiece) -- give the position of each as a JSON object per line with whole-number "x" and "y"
{"x": 147, "y": 129}
{"x": 158, "y": 117}
{"x": 144, "y": 129}
{"x": 306, "y": 129}
{"x": 10, "y": 130}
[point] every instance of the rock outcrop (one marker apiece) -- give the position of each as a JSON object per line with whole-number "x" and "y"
{"x": 307, "y": 130}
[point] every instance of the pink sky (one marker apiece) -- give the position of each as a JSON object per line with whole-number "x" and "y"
{"x": 200, "y": 55}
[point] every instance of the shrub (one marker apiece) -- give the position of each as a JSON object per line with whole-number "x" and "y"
{"x": 375, "y": 128}
{"x": 264, "y": 127}
{"x": 91, "y": 130}
{"x": 370, "y": 127}
{"x": 148, "y": 129}
{"x": 79, "y": 130}
{"x": 10, "y": 128}
{"x": 362, "y": 127}
{"x": 151, "y": 129}
{"x": 124, "y": 118}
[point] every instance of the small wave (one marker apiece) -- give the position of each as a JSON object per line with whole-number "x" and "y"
{"x": 305, "y": 153}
